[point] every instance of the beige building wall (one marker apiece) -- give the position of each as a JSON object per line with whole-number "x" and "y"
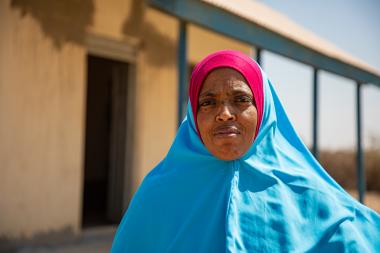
{"x": 156, "y": 92}
{"x": 41, "y": 125}
{"x": 43, "y": 95}
{"x": 203, "y": 42}
{"x": 43, "y": 50}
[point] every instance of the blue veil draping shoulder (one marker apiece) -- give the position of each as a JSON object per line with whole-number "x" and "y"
{"x": 276, "y": 198}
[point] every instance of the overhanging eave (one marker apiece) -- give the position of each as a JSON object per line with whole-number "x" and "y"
{"x": 234, "y": 26}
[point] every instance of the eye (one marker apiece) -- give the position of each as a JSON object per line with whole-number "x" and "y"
{"x": 206, "y": 102}
{"x": 243, "y": 99}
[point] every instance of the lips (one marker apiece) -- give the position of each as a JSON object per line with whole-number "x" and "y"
{"x": 226, "y": 131}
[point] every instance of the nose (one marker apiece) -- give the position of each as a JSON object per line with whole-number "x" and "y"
{"x": 225, "y": 113}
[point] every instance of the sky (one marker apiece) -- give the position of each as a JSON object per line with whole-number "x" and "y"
{"x": 353, "y": 26}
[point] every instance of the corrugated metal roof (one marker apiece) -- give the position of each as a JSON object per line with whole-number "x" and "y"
{"x": 274, "y": 21}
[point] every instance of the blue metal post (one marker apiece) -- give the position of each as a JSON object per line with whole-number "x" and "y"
{"x": 315, "y": 114}
{"x": 359, "y": 155}
{"x": 258, "y": 56}
{"x": 182, "y": 71}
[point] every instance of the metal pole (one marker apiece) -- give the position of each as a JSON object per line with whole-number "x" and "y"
{"x": 315, "y": 114}
{"x": 359, "y": 155}
{"x": 258, "y": 56}
{"x": 182, "y": 71}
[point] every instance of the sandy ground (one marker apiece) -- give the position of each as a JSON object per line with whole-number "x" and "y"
{"x": 96, "y": 240}
{"x": 87, "y": 247}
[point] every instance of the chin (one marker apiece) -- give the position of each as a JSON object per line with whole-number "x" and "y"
{"x": 226, "y": 149}
{"x": 228, "y": 158}
{"x": 228, "y": 155}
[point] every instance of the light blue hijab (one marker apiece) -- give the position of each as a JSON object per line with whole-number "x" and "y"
{"x": 276, "y": 198}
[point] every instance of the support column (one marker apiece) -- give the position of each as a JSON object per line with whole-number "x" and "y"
{"x": 315, "y": 114}
{"x": 182, "y": 71}
{"x": 258, "y": 56}
{"x": 359, "y": 155}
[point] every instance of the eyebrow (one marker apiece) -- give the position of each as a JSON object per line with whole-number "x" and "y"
{"x": 211, "y": 94}
{"x": 207, "y": 94}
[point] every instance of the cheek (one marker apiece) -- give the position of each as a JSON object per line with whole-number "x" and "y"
{"x": 203, "y": 125}
{"x": 250, "y": 120}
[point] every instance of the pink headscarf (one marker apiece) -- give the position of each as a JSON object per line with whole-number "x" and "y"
{"x": 230, "y": 59}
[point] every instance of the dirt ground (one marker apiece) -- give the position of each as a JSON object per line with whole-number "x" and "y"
{"x": 94, "y": 240}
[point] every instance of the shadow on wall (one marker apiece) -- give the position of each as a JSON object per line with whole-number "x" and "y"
{"x": 155, "y": 43}
{"x": 61, "y": 21}
{"x": 67, "y": 20}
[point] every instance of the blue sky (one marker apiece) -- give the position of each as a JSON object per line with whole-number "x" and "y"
{"x": 352, "y": 26}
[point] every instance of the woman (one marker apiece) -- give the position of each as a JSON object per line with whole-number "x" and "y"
{"x": 239, "y": 179}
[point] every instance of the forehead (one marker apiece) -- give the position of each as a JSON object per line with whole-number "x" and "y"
{"x": 224, "y": 79}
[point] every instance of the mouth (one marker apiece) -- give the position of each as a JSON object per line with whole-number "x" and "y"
{"x": 226, "y": 131}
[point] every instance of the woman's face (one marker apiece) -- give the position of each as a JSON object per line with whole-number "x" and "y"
{"x": 227, "y": 115}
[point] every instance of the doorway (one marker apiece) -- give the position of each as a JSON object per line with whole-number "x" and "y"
{"x": 105, "y": 164}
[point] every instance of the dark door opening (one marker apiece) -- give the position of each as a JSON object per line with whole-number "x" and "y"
{"x": 105, "y": 145}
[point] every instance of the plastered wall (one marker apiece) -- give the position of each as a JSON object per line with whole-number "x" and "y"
{"x": 202, "y": 42}
{"x": 43, "y": 54}
{"x": 43, "y": 95}
{"x": 41, "y": 126}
